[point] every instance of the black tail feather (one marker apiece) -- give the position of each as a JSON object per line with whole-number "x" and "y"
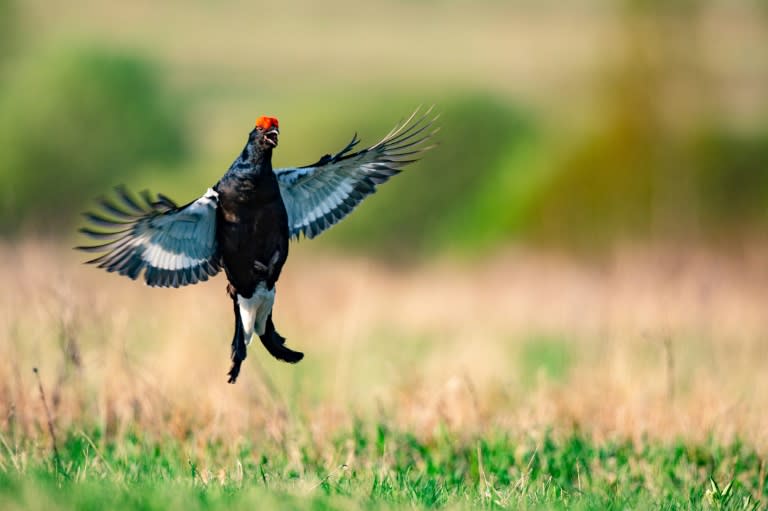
{"x": 239, "y": 350}
{"x": 275, "y": 344}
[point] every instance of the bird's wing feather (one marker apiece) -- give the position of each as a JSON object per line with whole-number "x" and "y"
{"x": 174, "y": 245}
{"x": 319, "y": 195}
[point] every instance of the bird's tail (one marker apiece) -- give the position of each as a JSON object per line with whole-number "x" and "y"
{"x": 275, "y": 344}
{"x": 239, "y": 350}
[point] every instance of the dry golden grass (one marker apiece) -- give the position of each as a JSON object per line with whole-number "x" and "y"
{"x": 660, "y": 343}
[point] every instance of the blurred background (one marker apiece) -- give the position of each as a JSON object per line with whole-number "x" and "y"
{"x": 587, "y": 244}
{"x": 578, "y": 125}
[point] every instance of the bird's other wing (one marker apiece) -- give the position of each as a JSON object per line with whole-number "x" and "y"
{"x": 319, "y": 195}
{"x": 175, "y": 246}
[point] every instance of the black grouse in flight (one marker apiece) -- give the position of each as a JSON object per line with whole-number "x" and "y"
{"x": 244, "y": 223}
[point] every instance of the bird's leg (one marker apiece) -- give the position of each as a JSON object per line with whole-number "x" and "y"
{"x": 273, "y": 262}
{"x": 260, "y": 268}
{"x": 266, "y": 271}
{"x": 238, "y": 341}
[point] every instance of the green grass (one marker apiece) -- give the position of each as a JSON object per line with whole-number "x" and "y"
{"x": 545, "y": 357}
{"x": 373, "y": 467}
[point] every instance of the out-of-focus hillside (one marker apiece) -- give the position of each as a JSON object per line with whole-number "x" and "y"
{"x": 577, "y": 125}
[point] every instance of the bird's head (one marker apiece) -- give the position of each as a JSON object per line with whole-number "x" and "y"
{"x": 261, "y": 140}
{"x": 264, "y": 134}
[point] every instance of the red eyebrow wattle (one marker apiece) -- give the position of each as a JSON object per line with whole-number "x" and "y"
{"x": 266, "y": 122}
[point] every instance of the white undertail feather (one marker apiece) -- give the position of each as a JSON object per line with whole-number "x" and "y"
{"x": 255, "y": 310}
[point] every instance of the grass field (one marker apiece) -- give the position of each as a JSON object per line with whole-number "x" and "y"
{"x": 526, "y": 380}
{"x": 374, "y": 467}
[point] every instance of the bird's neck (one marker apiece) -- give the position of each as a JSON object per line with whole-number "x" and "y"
{"x": 252, "y": 164}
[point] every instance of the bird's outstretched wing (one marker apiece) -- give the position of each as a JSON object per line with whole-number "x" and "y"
{"x": 319, "y": 195}
{"x": 175, "y": 246}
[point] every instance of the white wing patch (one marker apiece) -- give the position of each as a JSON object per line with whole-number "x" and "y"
{"x": 318, "y": 196}
{"x": 174, "y": 246}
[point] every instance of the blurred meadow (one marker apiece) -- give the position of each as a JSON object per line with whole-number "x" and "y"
{"x": 562, "y": 306}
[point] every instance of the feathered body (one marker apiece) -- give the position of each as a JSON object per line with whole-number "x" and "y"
{"x": 252, "y": 230}
{"x": 252, "y": 225}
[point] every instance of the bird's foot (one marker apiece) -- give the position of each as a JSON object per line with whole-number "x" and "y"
{"x": 267, "y": 271}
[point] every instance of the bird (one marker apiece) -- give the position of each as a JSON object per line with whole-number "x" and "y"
{"x": 244, "y": 224}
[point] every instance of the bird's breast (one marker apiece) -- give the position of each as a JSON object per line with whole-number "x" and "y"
{"x": 250, "y": 234}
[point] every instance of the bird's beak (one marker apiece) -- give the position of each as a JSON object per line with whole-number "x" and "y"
{"x": 271, "y": 136}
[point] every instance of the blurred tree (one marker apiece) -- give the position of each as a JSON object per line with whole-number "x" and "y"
{"x": 734, "y": 178}
{"x": 8, "y": 24}
{"x": 74, "y": 123}
{"x": 650, "y": 167}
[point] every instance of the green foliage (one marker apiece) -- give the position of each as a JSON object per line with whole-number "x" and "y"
{"x": 628, "y": 181}
{"x": 649, "y": 168}
{"x": 679, "y": 7}
{"x": 601, "y": 190}
{"x": 389, "y": 470}
{"x": 494, "y": 210}
{"x": 550, "y": 358}
{"x": 75, "y": 123}
{"x": 733, "y": 182}
{"x": 8, "y": 23}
